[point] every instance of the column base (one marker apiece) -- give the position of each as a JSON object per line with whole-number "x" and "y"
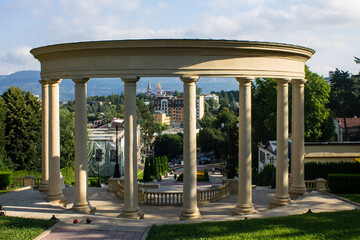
{"x": 297, "y": 191}
{"x": 243, "y": 209}
{"x": 59, "y": 201}
{"x": 279, "y": 201}
{"x": 83, "y": 208}
{"x": 188, "y": 214}
{"x": 132, "y": 214}
{"x": 44, "y": 187}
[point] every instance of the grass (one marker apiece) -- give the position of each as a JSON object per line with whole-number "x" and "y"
{"x": 10, "y": 189}
{"x": 22, "y": 228}
{"x": 335, "y": 225}
{"x": 353, "y": 197}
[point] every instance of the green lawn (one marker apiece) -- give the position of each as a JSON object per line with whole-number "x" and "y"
{"x": 22, "y": 228}
{"x": 353, "y": 197}
{"x": 336, "y": 225}
{"x": 9, "y": 190}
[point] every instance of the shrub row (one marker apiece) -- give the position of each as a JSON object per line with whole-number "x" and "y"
{"x": 154, "y": 168}
{"x": 344, "y": 183}
{"x": 199, "y": 177}
{"x": 315, "y": 170}
{"x": 5, "y": 180}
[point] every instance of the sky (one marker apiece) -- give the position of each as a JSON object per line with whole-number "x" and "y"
{"x": 330, "y": 27}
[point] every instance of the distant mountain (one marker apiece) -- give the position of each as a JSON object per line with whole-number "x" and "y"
{"x": 29, "y": 80}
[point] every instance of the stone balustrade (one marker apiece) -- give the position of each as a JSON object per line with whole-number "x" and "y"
{"x": 26, "y": 181}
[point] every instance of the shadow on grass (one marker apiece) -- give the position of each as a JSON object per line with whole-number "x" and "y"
{"x": 336, "y": 225}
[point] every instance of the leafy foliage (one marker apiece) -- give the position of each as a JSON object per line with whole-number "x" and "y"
{"x": 344, "y": 183}
{"x": 5, "y": 179}
{"x": 345, "y": 96}
{"x": 3, "y": 158}
{"x": 170, "y": 145}
{"x": 67, "y": 138}
{"x": 23, "y": 129}
{"x": 315, "y": 170}
{"x": 317, "y": 115}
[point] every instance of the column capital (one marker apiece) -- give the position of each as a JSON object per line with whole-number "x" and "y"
{"x": 44, "y": 82}
{"x": 282, "y": 80}
{"x": 189, "y": 79}
{"x": 130, "y": 79}
{"x": 245, "y": 79}
{"x": 298, "y": 81}
{"x": 80, "y": 81}
{"x": 54, "y": 81}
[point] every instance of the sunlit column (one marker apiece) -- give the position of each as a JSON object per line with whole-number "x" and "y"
{"x": 282, "y": 196}
{"x": 81, "y": 203}
{"x": 189, "y": 209}
{"x": 244, "y": 204}
{"x": 44, "y": 185}
{"x": 131, "y": 208}
{"x": 297, "y": 187}
{"x": 54, "y": 193}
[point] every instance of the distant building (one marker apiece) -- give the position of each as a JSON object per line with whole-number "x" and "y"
{"x": 158, "y": 91}
{"x": 148, "y": 92}
{"x": 200, "y": 107}
{"x": 213, "y": 96}
{"x": 174, "y": 107}
{"x": 353, "y": 129}
{"x": 162, "y": 118}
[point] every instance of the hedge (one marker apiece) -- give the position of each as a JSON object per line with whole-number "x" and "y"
{"x": 344, "y": 183}
{"x": 5, "y": 179}
{"x": 315, "y": 170}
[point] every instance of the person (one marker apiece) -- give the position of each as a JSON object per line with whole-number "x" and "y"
{"x": 175, "y": 176}
{"x": 213, "y": 170}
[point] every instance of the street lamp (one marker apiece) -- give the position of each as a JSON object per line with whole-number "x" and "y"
{"x": 117, "y": 170}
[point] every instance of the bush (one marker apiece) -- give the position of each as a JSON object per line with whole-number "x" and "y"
{"x": 315, "y": 170}
{"x": 344, "y": 183}
{"x": 180, "y": 178}
{"x": 265, "y": 177}
{"x": 5, "y": 180}
{"x": 147, "y": 174}
{"x": 206, "y": 175}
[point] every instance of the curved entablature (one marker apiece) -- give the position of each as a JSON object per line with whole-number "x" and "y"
{"x": 171, "y": 57}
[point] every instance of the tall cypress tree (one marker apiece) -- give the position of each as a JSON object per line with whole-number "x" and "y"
{"x": 3, "y": 162}
{"x": 147, "y": 175}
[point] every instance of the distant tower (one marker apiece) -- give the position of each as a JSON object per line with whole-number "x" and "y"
{"x": 158, "y": 91}
{"x": 148, "y": 93}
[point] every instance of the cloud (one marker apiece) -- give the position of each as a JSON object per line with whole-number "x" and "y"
{"x": 18, "y": 59}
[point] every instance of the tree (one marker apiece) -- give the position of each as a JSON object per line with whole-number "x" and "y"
{"x": 344, "y": 96}
{"x": 23, "y": 129}
{"x": 212, "y": 139}
{"x": 3, "y": 159}
{"x": 146, "y": 121}
{"x": 317, "y": 114}
{"x": 170, "y": 145}
{"x": 147, "y": 171}
{"x": 67, "y": 139}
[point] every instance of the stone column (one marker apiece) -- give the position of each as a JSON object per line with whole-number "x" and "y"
{"x": 298, "y": 143}
{"x": 54, "y": 194}
{"x": 282, "y": 196}
{"x": 131, "y": 208}
{"x": 189, "y": 209}
{"x": 81, "y": 203}
{"x": 244, "y": 204}
{"x": 44, "y": 185}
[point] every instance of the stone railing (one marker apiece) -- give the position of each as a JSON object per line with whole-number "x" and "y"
{"x": 175, "y": 198}
{"x": 213, "y": 194}
{"x": 26, "y": 181}
{"x": 319, "y": 183}
{"x": 163, "y": 198}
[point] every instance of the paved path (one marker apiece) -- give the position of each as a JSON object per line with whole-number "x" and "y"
{"x": 31, "y": 203}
